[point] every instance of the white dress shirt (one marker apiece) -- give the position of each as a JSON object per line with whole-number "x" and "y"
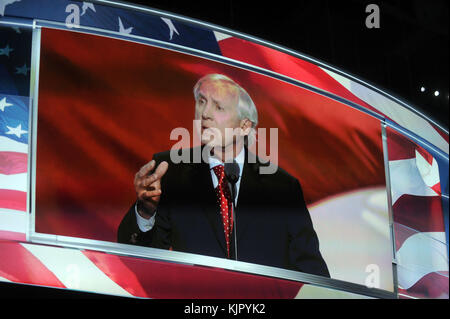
{"x": 147, "y": 224}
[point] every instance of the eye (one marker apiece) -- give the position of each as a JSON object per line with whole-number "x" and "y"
{"x": 219, "y": 107}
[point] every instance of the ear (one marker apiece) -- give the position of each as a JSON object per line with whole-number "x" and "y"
{"x": 245, "y": 126}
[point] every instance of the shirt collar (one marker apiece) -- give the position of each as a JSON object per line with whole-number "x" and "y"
{"x": 214, "y": 161}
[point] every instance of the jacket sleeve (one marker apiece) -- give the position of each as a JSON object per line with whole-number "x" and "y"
{"x": 158, "y": 237}
{"x": 304, "y": 253}
{"x": 129, "y": 232}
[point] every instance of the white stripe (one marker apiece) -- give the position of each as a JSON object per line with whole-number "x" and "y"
{"x": 429, "y": 173}
{"x": 4, "y": 279}
{"x": 421, "y": 254}
{"x": 221, "y": 36}
{"x": 9, "y": 145}
{"x": 15, "y": 221}
{"x": 395, "y": 111}
{"x": 406, "y": 179}
{"x": 17, "y": 182}
{"x": 75, "y": 270}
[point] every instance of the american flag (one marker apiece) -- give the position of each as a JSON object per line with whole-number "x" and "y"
{"x": 419, "y": 176}
{"x": 420, "y": 239}
{"x": 15, "y": 50}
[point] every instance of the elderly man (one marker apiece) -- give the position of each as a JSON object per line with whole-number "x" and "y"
{"x": 188, "y": 206}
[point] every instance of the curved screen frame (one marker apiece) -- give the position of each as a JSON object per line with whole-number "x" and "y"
{"x": 172, "y": 256}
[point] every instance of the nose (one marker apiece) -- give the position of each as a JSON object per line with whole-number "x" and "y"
{"x": 206, "y": 112}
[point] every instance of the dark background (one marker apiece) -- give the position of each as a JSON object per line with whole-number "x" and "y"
{"x": 410, "y": 50}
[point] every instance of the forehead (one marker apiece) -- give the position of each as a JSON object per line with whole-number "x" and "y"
{"x": 218, "y": 89}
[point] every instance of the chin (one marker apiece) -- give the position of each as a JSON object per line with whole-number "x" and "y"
{"x": 212, "y": 144}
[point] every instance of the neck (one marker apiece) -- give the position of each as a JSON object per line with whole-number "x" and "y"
{"x": 227, "y": 153}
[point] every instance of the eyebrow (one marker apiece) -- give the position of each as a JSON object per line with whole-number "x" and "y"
{"x": 201, "y": 96}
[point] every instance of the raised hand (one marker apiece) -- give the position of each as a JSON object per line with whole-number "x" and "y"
{"x": 147, "y": 183}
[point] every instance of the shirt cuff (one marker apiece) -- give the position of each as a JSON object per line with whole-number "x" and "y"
{"x": 144, "y": 224}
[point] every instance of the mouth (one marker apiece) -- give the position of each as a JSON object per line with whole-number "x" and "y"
{"x": 207, "y": 133}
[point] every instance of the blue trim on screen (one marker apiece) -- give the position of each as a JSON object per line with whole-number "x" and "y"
{"x": 446, "y": 218}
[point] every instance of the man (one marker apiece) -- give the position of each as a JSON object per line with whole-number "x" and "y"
{"x": 188, "y": 206}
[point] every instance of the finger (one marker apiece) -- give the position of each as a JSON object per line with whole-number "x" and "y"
{"x": 144, "y": 183}
{"x": 158, "y": 174}
{"x": 151, "y": 194}
{"x": 161, "y": 169}
{"x": 150, "y": 182}
{"x": 147, "y": 168}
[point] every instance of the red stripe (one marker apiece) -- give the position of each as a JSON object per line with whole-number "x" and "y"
{"x": 417, "y": 214}
{"x": 155, "y": 279}
{"x": 13, "y": 163}
{"x": 433, "y": 285}
{"x": 399, "y": 147}
{"x": 18, "y": 265}
{"x": 117, "y": 270}
{"x": 11, "y": 199}
{"x": 11, "y": 235}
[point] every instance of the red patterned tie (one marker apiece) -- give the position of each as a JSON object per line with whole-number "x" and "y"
{"x": 225, "y": 204}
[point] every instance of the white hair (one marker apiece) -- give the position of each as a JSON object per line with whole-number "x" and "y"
{"x": 246, "y": 108}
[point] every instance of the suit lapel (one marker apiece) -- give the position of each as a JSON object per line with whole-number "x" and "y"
{"x": 248, "y": 192}
{"x": 208, "y": 202}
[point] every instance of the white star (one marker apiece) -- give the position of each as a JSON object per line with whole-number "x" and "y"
{"x": 17, "y": 131}
{"x": 22, "y": 70}
{"x": 171, "y": 27}
{"x": 4, "y": 104}
{"x": 4, "y": 3}
{"x": 6, "y": 50}
{"x": 87, "y": 5}
{"x": 122, "y": 29}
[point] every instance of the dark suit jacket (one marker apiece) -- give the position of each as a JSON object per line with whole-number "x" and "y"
{"x": 273, "y": 225}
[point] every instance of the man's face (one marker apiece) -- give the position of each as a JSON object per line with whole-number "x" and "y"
{"x": 216, "y": 108}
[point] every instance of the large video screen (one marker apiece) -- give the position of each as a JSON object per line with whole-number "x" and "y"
{"x": 131, "y": 145}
